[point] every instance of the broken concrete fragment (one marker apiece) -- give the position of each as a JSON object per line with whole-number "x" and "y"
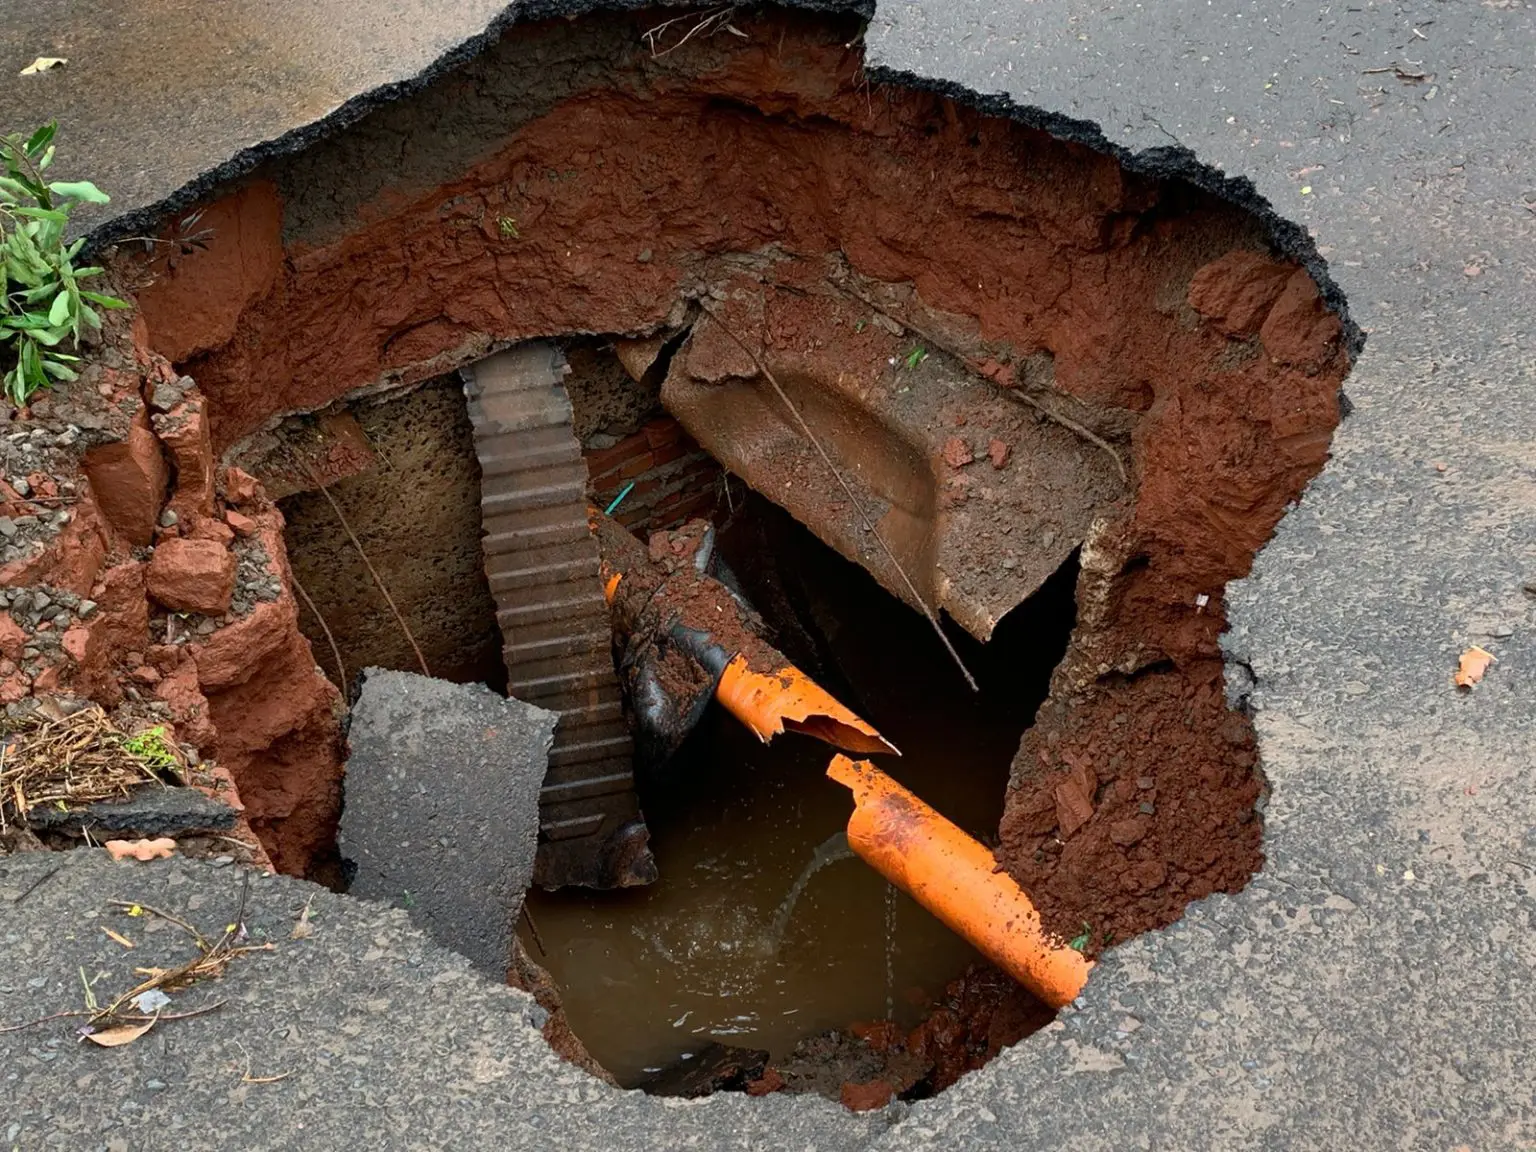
{"x": 192, "y": 576}
{"x": 886, "y": 430}
{"x": 637, "y": 356}
{"x": 442, "y": 807}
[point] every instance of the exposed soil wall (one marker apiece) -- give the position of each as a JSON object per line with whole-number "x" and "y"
{"x": 415, "y": 509}
{"x": 566, "y": 181}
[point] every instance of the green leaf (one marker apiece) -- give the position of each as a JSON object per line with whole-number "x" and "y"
{"x": 22, "y": 272}
{"x": 48, "y": 336}
{"x": 63, "y": 306}
{"x": 41, "y": 292}
{"x": 23, "y": 246}
{"x": 31, "y": 364}
{"x": 41, "y": 138}
{"x": 59, "y": 371}
{"x": 47, "y": 235}
{"x": 80, "y": 190}
{"x": 104, "y": 301}
{"x": 45, "y": 159}
{"x": 41, "y": 213}
{"x": 14, "y": 189}
{"x": 90, "y": 316}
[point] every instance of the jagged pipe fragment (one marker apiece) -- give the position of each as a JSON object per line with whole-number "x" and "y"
{"x": 687, "y": 637}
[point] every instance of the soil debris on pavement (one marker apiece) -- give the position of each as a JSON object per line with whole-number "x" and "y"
{"x": 1473, "y": 666}
{"x": 114, "y": 1020}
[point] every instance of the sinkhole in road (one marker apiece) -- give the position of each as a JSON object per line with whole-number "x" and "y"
{"x": 1023, "y": 349}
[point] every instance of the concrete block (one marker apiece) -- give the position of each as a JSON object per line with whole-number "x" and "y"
{"x": 442, "y": 807}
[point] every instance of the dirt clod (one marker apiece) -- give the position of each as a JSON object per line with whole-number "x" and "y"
{"x": 192, "y": 576}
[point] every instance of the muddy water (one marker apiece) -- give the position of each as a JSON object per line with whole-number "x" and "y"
{"x": 715, "y": 950}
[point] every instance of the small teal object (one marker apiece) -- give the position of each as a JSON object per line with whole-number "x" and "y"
{"x": 619, "y": 499}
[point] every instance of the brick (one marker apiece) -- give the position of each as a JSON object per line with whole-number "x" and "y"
{"x": 638, "y": 466}
{"x": 662, "y": 432}
{"x": 667, "y": 453}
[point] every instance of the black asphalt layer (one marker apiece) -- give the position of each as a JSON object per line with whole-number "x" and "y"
{"x": 1370, "y": 988}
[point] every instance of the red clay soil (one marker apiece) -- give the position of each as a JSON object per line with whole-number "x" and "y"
{"x": 200, "y": 631}
{"x": 1167, "y": 773}
{"x": 1155, "y": 306}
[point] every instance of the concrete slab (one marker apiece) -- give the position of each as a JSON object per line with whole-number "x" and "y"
{"x": 441, "y": 815}
{"x": 150, "y": 812}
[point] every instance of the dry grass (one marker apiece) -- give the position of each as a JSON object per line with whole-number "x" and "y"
{"x": 69, "y": 761}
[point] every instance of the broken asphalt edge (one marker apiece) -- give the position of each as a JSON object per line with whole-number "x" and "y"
{"x": 1175, "y": 162}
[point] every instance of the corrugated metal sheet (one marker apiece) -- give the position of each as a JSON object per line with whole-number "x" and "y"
{"x": 542, "y": 561}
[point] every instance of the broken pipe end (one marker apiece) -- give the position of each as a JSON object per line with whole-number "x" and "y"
{"x": 788, "y": 700}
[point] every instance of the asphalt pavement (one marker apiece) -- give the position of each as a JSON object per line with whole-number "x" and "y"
{"x": 1371, "y": 988}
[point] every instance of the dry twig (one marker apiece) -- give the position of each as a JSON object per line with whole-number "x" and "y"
{"x": 710, "y": 20}
{"x": 210, "y": 961}
{"x": 341, "y": 669}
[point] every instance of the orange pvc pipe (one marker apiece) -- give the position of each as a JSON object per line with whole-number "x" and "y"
{"x": 788, "y": 700}
{"x": 785, "y": 700}
{"x": 957, "y": 880}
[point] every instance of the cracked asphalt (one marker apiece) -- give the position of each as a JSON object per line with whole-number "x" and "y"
{"x": 1371, "y": 988}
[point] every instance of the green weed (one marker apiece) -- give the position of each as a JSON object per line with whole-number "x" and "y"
{"x": 151, "y": 748}
{"x": 43, "y": 305}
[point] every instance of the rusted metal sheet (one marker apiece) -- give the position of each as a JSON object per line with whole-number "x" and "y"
{"x": 542, "y": 563}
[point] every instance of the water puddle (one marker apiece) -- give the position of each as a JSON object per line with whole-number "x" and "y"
{"x": 763, "y": 928}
